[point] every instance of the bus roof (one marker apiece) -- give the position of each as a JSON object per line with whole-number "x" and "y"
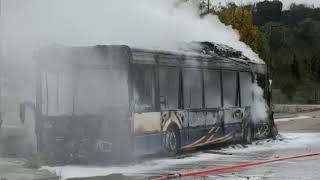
{"x": 121, "y": 55}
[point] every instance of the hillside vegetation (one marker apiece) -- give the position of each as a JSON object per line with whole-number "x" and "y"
{"x": 289, "y": 42}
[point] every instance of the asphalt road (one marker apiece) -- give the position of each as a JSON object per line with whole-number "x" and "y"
{"x": 298, "y": 135}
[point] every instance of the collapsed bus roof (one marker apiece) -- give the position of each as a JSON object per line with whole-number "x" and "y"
{"x": 52, "y": 56}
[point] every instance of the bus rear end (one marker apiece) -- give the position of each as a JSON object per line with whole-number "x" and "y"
{"x": 82, "y": 105}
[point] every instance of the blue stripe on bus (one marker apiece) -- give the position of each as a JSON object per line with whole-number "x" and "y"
{"x": 152, "y": 143}
{"x": 147, "y": 144}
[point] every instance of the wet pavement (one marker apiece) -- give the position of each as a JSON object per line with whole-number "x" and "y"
{"x": 304, "y": 168}
{"x": 16, "y": 169}
{"x": 287, "y": 144}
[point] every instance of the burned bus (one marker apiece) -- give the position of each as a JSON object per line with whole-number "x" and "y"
{"x": 112, "y": 103}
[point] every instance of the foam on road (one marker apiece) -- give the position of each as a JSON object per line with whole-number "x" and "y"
{"x": 292, "y": 118}
{"x": 300, "y": 141}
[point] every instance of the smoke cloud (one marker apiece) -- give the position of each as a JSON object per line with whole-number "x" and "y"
{"x": 259, "y": 107}
{"x": 31, "y": 24}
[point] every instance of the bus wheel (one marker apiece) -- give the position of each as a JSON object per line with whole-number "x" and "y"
{"x": 172, "y": 140}
{"x": 274, "y": 132}
{"x": 248, "y": 135}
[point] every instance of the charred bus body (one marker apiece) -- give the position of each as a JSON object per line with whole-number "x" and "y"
{"x": 109, "y": 103}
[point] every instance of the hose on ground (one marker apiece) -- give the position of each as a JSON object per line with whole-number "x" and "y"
{"x": 235, "y": 166}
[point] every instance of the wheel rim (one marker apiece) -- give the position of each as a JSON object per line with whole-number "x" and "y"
{"x": 249, "y": 135}
{"x": 171, "y": 141}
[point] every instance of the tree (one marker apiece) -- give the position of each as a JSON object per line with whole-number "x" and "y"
{"x": 241, "y": 18}
{"x": 295, "y": 71}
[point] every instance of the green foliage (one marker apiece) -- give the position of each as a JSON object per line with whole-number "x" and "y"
{"x": 240, "y": 18}
{"x": 289, "y": 89}
{"x": 312, "y": 67}
{"x": 289, "y": 41}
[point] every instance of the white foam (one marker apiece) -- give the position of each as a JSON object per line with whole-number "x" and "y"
{"x": 293, "y": 118}
{"x": 144, "y": 167}
{"x": 290, "y": 141}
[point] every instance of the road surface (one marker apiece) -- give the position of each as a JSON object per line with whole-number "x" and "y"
{"x": 298, "y": 134}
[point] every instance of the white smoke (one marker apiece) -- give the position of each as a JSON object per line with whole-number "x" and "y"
{"x": 28, "y": 25}
{"x": 31, "y": 24}
{"x": 259, "y": 107}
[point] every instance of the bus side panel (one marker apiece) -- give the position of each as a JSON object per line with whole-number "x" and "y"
{"x": 208, "y": 130}
{"x": 147, "y": 133}
{"x": 214, "y": 125}
{"x": 196, "y": 126}
{"x": 233, "y": 122}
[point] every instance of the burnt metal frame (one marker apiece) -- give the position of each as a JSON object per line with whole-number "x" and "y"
{"x": 155, "y": 66}
{"x": 181, "y": 65}
{"x": 238, "y": 96}
{"x": 238, "y": 100}
{"x": 156, "y": 85}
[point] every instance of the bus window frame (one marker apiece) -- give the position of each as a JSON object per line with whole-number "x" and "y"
{"x": 132, "y": 82}
{"x": 201, "y": 86}
{"x": 237, "y": 100}
{"x": 181, "y": 100}
{"x": 252, "y": 80}
{"x": 158, "y": 96}
{"x": 181, "y": 75}
{"x": 218, "y": 72}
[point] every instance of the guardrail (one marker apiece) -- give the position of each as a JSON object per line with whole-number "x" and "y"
{"x": 294, "y": 108}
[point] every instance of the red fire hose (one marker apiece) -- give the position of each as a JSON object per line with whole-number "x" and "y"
{"x": 235, "y": 166}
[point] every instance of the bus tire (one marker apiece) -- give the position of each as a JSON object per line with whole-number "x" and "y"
{"x": 248, "y": 135}
{"x": 172, "y": 140}
{"x": 274, "y": 132}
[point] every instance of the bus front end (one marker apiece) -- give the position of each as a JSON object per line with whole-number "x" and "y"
{"x": 82, "y": 105}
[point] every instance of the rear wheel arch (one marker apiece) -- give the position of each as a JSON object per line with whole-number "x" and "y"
{"x": 171, "y": 122}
